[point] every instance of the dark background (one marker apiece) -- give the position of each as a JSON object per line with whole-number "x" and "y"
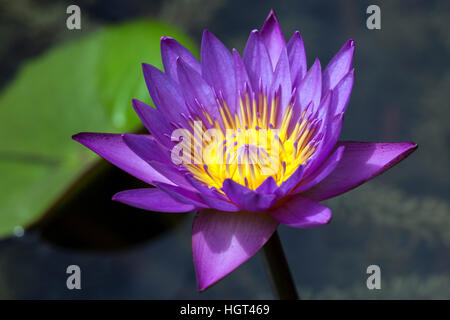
{"x": 400, "y": 221}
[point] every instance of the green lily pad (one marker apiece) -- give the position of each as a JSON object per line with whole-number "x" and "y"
{"x": 84, "y": 85}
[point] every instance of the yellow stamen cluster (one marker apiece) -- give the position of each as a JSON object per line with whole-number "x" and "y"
{"x": 249, "y": 146}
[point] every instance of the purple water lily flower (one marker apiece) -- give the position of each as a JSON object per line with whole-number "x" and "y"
{"x": 239, "y": 202}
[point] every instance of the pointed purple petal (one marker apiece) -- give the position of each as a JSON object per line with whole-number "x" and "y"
{"x": 157, "y": 157}
{"x": 321, "y": 173}
{"x": 335, "y": 108}
{"x": 332, "y": 132}
{"x": 165, "y": 94}
{"x": 282, "y": 79}
{"x": 360, "y": 162}
{"x": 218, "y": 67}
{"x": 182, "y": 195}
{"x": 242, "y": 79}
{"x": 341, "y": 94}
{"x": 323, "y": 113}
{"x": 273, "y": 38}
{"x": 195, "y": 89}
{"x": 154, "y": 121}
{"x": 291, "y": 182}
{"x": 212, "y": 198}
{"x": 247, "y": 199}
{"x": 301, "y": 212}
{"x": 152, "y": 200}
{"x": 268, "y": 186}
{"x": 170, "y": 51}
{"x": 113, "y": 149}
{"x": 172, "y": 173}
{"x": 257, "y": 61}
{"x": 297, "y": 58}
{"x": 146, "y": 148}
{"x": 221, "y": 242}
{"x": 218, "y": 204}
{"x": 310, "y": 88}
{"x": 339, "y": 66}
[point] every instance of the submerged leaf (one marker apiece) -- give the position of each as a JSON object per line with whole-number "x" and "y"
{"x": 85, "y": 85}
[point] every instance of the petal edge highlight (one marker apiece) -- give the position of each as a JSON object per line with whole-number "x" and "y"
{"x": 151, "y": 199}
{"x": 112, "y": 148}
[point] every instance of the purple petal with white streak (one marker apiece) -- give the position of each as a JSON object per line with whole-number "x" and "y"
{"x": 221, "y": 242}
{"x": 360, "y": 162}
{"x": 300, "y": 212}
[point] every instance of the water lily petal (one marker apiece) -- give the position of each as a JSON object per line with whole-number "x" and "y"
{"x": 113, "y": 149}
{"x": 154, "y": 121}
{"x": 297, "y": 58}
{"x": 361, "y": 161}
{"x": 322, "y": 172}
{"x": 338, "y": 66}
{"x": 242, "y": 80}
{"x": 152, "y": 199}
{"x": 146, "y": 147}
{"x": 157, "y": 157}
{"x": 268, "y": 186}
{"x": 218, "y": 204}
{"x": 221, "y": 242}
{"x": 291, "y": 182}
{"x": 300, "y": 212}
{"x": 195, "y": 89}
{"x": 165, "y": 94}
{"x": 172, "y": 173}
{"x": 171, "y": 49}
{"x": 331, "y": 135}
{"x": 182, "y": 195}
{"x": 247, "y": 199}
{"x": 257, "y": 61}
{"x": 310, "y": 88}
{"x": 282, "y": 80}
{"x": 273, "y": 38}
{"x": 218, "y": 67}
{"x": 212, "y": 198}
{"x": 341, "y": 94}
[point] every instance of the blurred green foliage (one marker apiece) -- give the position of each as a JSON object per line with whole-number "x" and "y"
{"x": 84, "y": 85}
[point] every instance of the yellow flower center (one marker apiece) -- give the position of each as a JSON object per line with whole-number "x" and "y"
{"x": 248, "y": 146}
